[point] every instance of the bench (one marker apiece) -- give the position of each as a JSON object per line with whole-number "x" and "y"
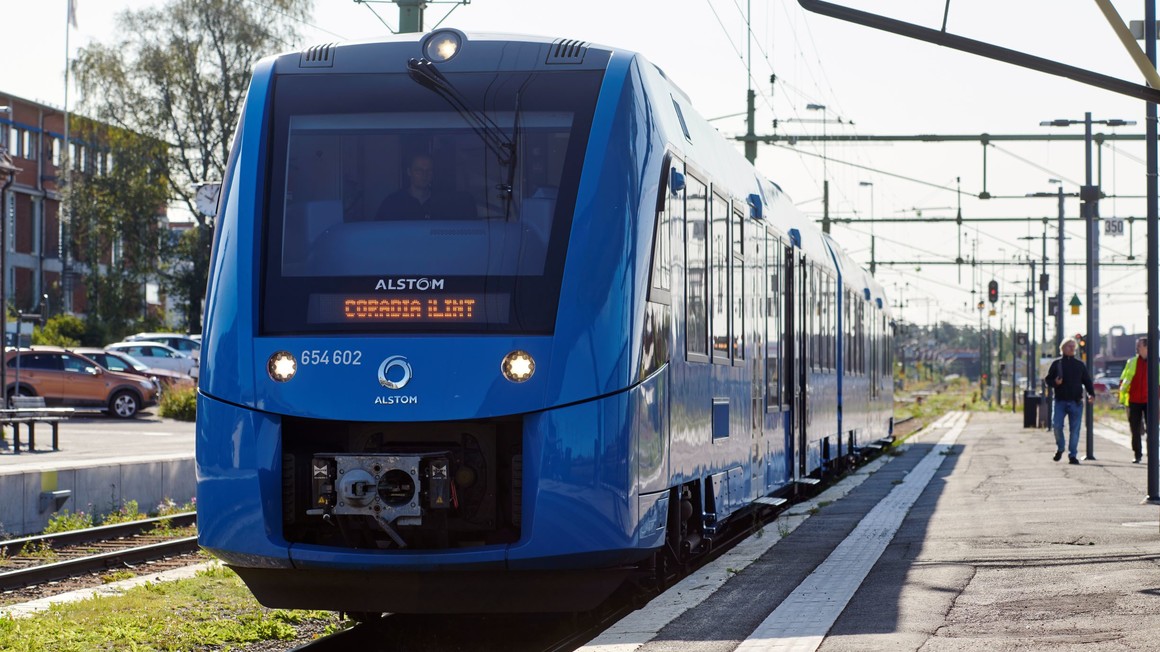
{"x": 31, "y": 410}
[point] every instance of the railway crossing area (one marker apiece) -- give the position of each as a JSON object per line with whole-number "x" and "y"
{"x": 969, "y": 537}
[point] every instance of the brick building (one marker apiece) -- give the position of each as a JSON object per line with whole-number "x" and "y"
{"x": 37, "y": 261}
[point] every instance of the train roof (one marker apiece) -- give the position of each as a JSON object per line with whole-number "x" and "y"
{"x": 857, "y": 277}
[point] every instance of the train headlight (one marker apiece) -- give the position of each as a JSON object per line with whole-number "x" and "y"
{"x": 282, "y": 366}
{"x": 442, "y": 46}
{"x": 518, "y": 366}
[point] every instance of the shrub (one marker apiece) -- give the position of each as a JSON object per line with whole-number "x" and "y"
{"x": 60, "y": 330}
{"x": 180, "y": 404}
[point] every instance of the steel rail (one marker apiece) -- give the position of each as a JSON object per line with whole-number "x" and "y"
{"x": 100, "y": 533}
{"x": 20, "y": 578}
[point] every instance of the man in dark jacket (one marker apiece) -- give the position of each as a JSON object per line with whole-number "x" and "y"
{"x": 1069, "y": 378}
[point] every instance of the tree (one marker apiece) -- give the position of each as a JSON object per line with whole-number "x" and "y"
{"x": 179, "y": 74}
{"x": 114, "y": 225}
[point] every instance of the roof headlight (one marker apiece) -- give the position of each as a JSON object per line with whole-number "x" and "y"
{"x": 518, "y": 366}
{"x": 282, "y": 366}
{"x": 442, "y": 45}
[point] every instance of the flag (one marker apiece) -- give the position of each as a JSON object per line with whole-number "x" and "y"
{"x": 72, "y": 13}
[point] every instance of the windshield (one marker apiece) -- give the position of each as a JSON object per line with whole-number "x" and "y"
{"x": 390, "y": 210}
{"x": 124, "y": 361}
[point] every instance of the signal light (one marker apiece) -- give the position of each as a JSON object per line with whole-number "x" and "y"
{"x": 993, "y": 291}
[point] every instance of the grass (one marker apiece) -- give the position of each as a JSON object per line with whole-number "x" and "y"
{"x": 213, "y": 611}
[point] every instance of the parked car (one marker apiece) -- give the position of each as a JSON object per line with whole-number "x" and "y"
{"x": 125, "y": 363}
{"x": 1106, "y": 384}
{"x": 156, "y": 354}
{"x": 184, "y": 343}
{"x": 66, "y": 378}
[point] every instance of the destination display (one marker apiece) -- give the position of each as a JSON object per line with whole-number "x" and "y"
{"x": 414, "y": 309}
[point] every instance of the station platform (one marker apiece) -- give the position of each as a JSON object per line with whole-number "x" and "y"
{"x": 102, "y": 464}
{"x": 966, "y": 537}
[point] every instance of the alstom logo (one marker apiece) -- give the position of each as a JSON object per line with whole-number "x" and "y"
{"x": 411, "y": 284}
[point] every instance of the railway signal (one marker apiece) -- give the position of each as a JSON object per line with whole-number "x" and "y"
{"x": 993, "y": 291}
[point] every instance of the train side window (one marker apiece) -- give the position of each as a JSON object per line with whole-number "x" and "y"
{"x": 834, "y": 335}
{"x": 824, "y": 301}
{"x": 696, "y": 270}
{"x": 860, "y": 336}
{"x": 738, "y": 286}
{"x": 872, "y": 354}
{"x": 719, "y": 280}
{"x": 773, "y": 310}
{"x": 670, "y": 210}
{"x": 816, "y": 325}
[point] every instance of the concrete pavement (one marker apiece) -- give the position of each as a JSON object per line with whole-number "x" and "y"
{"x": 1003, "y": 549}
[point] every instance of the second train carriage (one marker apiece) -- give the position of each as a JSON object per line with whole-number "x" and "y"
{"x": 621, "y": 336}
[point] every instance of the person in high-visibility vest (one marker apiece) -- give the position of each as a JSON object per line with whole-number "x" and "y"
{"x": 1134, "y": 394}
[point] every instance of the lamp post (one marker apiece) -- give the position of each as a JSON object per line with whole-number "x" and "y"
{"x": 825, "y": 174}
{"x": 1059, "y": 195}
{"x": 1090, "y": 196}
{"x": 7, "y": 175}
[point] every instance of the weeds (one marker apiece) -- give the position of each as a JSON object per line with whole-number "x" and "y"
{"x": 117, "y": 576}
{"x": 128, "y": 513}
{"x": 42, "y": 550}
{"x": 65, "y": 521}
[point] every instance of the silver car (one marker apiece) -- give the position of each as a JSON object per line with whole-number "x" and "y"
{"x": 156, "y": 354}
{"x": 183, "y": 343}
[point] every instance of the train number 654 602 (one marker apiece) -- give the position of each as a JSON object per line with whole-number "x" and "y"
{"x": 325, "y": 357}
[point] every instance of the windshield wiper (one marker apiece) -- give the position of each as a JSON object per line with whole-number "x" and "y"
{"x": 426, "y": 74}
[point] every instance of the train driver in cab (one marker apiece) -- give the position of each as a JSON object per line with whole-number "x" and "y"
{"x": 421, "y": 200}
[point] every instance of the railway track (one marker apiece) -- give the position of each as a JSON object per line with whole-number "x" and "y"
{"x": 543, "y": 633}
{"x": 31, "y": 561}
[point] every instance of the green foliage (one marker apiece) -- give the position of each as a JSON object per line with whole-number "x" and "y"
{"x": 60, "y": 330}
{"x": 65, "y": 521}
{"x": 180, "y": 404}
{"x": 178, "y": 74}
{"x": 42, "y": 550}
{"x": 169, "y": 507}
{"x": 114, "y": 229}
{"x": 128, "y": 512}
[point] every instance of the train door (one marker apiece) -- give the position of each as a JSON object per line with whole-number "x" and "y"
{"x": 755, "y": 306}
{"x": 805, "y": 342}
{"x": 792, "y": 363}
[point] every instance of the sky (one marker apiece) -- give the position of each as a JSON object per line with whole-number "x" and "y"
{"x": 871, "y": 83}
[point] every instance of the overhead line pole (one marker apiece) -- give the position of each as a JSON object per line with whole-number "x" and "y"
{"x": 1059, "y": 303}
{"x": 997, "y": 263}
{"x": 1153, "y": 260}
{"x": 938, "y": 138}
{"x": 1091, "y": 197}
{"x": 924, "y": 220}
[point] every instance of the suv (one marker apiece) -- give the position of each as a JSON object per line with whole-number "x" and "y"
{"x": 176, "y": 341}
{"x": 65, "y": 378}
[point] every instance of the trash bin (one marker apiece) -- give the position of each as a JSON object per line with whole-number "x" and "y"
{"x": 1030, "y": 409}
{"x": 1045, "y": 411}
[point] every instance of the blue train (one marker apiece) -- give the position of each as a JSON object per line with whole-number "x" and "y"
{"x": 497, "y": 323}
